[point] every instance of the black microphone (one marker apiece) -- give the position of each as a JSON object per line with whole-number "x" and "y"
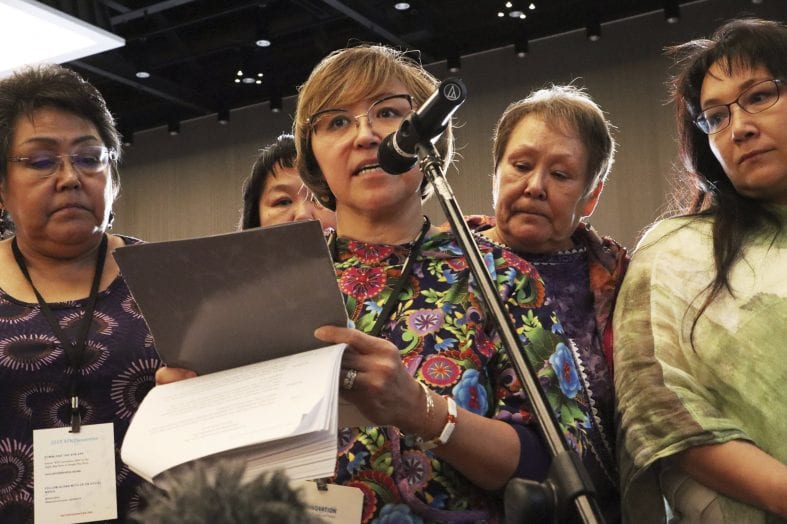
{"x": 397, "y": 151}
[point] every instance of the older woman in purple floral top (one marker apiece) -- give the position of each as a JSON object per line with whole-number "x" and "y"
{"x": 552, "y": 153}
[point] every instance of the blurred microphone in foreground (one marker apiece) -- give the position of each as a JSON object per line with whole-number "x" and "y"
{"x": 200, "y": 493}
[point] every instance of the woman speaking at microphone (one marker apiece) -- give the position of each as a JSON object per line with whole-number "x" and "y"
{"x": 424, "y": 362}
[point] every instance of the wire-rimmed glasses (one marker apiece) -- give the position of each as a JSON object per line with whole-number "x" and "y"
{"x": 384, "y": 115}
{"x": 753, "y": 100}
{"x": 87, "y": 160}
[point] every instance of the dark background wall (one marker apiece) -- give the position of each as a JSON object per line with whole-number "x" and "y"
{"x": 189, "y": 185}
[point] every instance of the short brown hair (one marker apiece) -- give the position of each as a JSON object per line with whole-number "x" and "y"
{"x": 52, "y": 86}
{"x": 352, "y": 74}
{"x": 563, "y": 105}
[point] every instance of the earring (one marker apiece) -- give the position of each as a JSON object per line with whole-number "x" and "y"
{"x": 5, "y": 223}
{"x": 111, "y": 219}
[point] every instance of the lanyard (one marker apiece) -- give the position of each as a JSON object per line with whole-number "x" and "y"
{"x": 74, "y": 350}
{"x": 407, "y": 270}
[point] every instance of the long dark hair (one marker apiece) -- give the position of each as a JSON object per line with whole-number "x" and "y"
{"x": 706, "y": 190}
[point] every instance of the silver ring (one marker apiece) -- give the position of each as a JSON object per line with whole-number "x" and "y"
{"x": 349, "y": 379}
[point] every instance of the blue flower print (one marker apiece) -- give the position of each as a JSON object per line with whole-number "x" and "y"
{"x": 566, "y": 370}
{"x": 357, "y": 461}
{"x": 373, "y": 307}
{"x": 557, "y": 326}
{"x": 511, "y": 275}
{"x": 450, "y": 276}
{"x": 447, "y": 343}
{"x": 470, "y": 394}
{"x": 489, "y": 260}
{"x": 397, "y": 514}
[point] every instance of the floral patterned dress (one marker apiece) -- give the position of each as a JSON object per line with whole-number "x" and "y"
{"x": 120, "y": 363}
{"x": 448, "y": 341}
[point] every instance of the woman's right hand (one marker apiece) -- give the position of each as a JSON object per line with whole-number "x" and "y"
{"x": 165, "y": 375}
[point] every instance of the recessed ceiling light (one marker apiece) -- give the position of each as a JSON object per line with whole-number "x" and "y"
{"x": 509, "y": 5}
{"x": 263, "y": 42}
{"x": 501, "y": 14}
{"x": 453, "y": 63}
{"x": 401, "y": 6}
{"x": 142, "y": 74}
{"x": 515, "y": 14}
{"x": 275, "y": 104}
{"x": 532, "y": 6}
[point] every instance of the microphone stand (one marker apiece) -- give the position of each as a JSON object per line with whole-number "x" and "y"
{"x": 567, "y": 485}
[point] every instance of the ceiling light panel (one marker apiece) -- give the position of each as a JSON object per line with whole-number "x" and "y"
{"x": 38, "y": 33}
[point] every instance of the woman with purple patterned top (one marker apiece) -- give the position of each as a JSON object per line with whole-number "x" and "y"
{"x": 552, "y": 153}
{"x": 75, "y": 353}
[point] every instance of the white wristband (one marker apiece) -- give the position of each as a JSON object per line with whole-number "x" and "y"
{"x": 448, "y": 429}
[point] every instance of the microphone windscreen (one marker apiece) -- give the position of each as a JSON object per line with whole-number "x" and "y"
{"x": 391, "y": 161}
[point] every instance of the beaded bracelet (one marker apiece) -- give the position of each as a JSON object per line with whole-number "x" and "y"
{"x": 448, "y": 429}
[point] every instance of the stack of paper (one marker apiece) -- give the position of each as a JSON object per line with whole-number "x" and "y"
{"x": 275, "y": 414}
{"x": 241, "y": 310}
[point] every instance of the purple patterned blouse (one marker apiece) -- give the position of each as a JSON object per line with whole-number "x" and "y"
{"x": 120, "y": 362}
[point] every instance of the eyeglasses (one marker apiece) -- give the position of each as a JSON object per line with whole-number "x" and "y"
{"x": 753, "y": 100}
{"x": 86, "y": 160}
{"x": 384, "y": 115}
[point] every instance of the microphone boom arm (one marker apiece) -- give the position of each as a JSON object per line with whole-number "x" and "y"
{"x": 568, "y": 481}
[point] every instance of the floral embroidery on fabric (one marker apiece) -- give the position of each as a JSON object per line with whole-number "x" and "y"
{"x": 447, "y": 340}
{"x": 425, "y": 321}
{"x": 470, "y": 394}
{"x": 397, "y": 514}
{"x": 563, "y": 363}
{"x": 417, "y": 468}
{"x": 369, "y": 253}
{"x": 362, "y": 283}
{"x": 440, "y": 371}
{"x": 548, "y": 354}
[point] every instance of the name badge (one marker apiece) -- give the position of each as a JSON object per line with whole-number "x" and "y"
{"x": 331, "y": 502}
{"x": 74, "y": 474}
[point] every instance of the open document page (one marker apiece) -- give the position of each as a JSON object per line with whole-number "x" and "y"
{"x": 240, "y": 309}
{"x": 279, "y": 413}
